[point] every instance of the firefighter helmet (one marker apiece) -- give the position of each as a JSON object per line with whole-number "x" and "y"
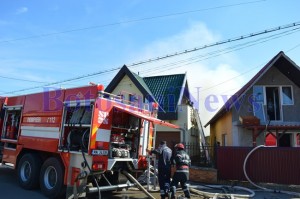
{"x": 179, "y": 146}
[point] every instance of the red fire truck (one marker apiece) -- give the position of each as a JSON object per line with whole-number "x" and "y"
{"x": 74, "y": 141}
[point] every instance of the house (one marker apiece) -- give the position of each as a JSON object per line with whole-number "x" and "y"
{"x": 264, "y": 111}
{"x": 171, "y": 92}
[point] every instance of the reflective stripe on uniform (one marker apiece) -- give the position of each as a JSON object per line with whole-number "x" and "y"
{"x": 185, "y": 171}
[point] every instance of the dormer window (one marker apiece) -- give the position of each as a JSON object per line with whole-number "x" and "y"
{"x": 287, "y": 95}
{"x": 273, "y": 98}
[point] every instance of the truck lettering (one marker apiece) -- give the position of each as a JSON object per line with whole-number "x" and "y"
{"x": 51, "y": 120}
{"x": 34, "y": 119}
{"x": 103, "y": 117}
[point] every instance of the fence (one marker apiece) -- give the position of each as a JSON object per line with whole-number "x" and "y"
{"x": 272, "y": 165}
{"x": 198, "y": 154}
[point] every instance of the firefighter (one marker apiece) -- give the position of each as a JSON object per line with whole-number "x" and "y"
{"x": 164, "y": 168}
{"x": 182, "y": 162}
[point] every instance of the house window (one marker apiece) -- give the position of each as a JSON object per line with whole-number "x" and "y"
{"x": 273, "y": 103}
{"x": 132, "y": 99}
{"x": 258, "y": 102}
{"x": 287, "y": 96}
{"x": 120, "y": 98}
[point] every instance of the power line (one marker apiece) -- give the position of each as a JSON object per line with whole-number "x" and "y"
{"x": 294, "y": 47}
{"x": 67, "y": 80}
{"x": 130, "y": 21}
{"x": 19, "y": 79}
{"x": 251, "y": 69}
{"x": 168, "y": 56}
{"x": 220, "y": 42}
{"x": 172, "y": 64}
{"x": 220, "y": 52}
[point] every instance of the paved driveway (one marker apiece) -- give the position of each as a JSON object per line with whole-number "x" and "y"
{"x": 9, "y": 189}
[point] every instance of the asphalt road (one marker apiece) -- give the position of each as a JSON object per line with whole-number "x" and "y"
{"x": 9, "y": 189}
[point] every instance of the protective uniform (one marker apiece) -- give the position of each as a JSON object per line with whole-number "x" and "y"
{"x": 182, "y": 161}
{"x": 164, "y": 168}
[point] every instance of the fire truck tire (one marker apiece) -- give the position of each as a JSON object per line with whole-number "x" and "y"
{"x": 29, "y": 170}
{"x": 52, "y": 178}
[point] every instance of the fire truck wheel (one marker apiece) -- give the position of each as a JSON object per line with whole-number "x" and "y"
{"x": 52, "y": 178}
{"x": 29, "y": 170}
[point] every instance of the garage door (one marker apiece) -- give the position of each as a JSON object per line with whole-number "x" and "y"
{"x": 172, "y": 138}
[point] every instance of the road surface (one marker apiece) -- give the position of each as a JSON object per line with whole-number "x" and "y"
{"x": 9, "y": 189}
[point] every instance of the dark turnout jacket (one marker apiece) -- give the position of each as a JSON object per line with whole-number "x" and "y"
{"x": 182, "y": 160}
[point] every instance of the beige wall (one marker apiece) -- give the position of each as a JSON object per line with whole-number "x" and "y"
{"x": 125, "y": 87}
{"x": 222, "y": 126}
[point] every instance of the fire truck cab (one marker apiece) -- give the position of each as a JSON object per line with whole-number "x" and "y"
{"x": 72, "y": 141}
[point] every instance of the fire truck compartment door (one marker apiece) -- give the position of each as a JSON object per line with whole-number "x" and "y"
{"x": 133, "y": 111}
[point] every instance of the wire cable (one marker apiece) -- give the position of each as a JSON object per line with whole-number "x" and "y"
{"x": 220, "y": 43}
{"x": 166, "y": 56}
{"x": 130, "y": 21}
{"x": 19, "y": 79}
{"x": 224, "y": 51}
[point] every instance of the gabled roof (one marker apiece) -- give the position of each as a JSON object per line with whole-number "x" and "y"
{"x": 162, "y": 86}
{"x": 157, "y": 88}
{"x": 282, "y": 62}
{"x": 136, "y": 79}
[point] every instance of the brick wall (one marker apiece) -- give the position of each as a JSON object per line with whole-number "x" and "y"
{"x": 201, "y": 174}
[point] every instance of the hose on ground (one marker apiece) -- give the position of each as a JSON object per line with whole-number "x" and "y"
{"x": 260, "y": 187}
{"x": 130, "y": 177}
{"x": 195, "y": 189}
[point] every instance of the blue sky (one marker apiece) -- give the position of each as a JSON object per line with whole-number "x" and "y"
{"x": 37, "y": 46}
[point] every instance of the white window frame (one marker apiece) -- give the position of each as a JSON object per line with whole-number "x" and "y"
{"x": 295, "y": 139}
{"x": 281, "y": 93}
{"x": 280, "y": 96}
{"x": 280, "y": 100}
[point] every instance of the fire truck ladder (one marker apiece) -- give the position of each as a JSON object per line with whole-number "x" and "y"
{"x": 203, "y": 145}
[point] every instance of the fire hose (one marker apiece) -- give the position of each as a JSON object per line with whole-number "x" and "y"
{"x": 130, "y": 177}
{"x": 260, "y": 187}
{"x": 195, "y": 189}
